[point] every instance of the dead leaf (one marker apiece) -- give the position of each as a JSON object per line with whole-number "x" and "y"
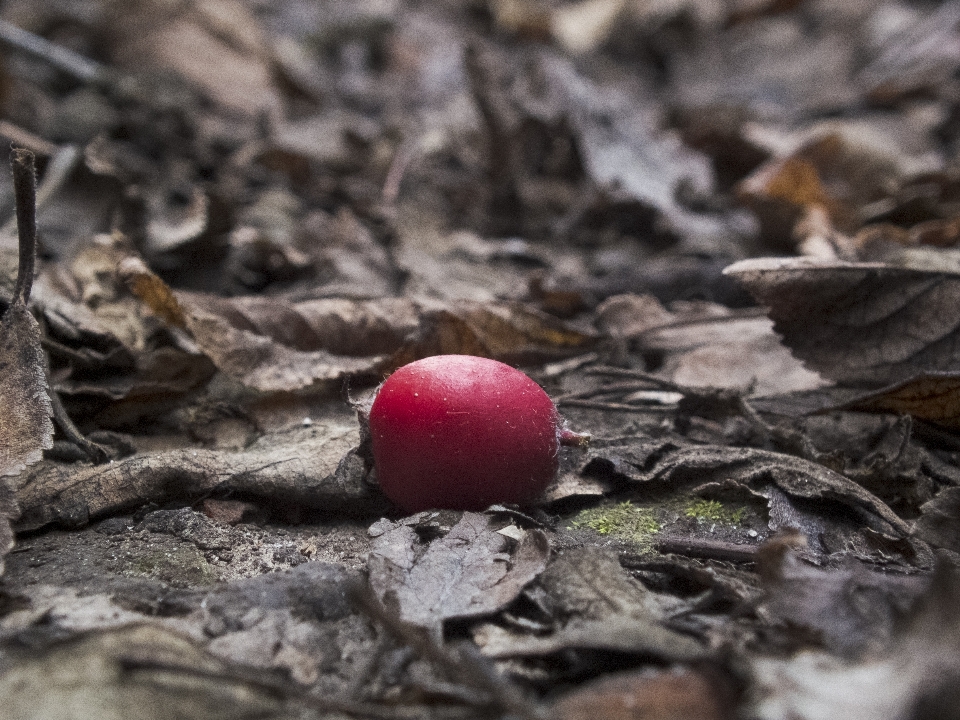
{"x": 659, "y": 466}
{"x": 676, "y": 694}
{"x": 596, "y": 607}
{"x": 915, "y": 676}
{"x": 934, "y": 397}
{"x": 850, "y": 611}
{"x": 309, "y": 468}
{"x": 939, "y": 521}
{"x": 467, "y": 573}
{"x": 831, "y": 172}
{"x": 510, "y": 332}
{"x": 727, "y": 349}
{"x": 215, "y": 44}
{"x": 161, "y": 673}
{"x": 26, "y": 428}
{"x": 859, "y": 323}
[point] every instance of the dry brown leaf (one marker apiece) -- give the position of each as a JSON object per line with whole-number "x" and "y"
{"x": 859, "y": 323}
{"x": 832, "y": 172}
{"x": 675, "y": 694}
{"x": 509, "y": 332}
{"x": 598, "y": 606}
{"x": 310, "y": 468}
{"x": 934, "y": 397}
{"x": 216, "y": 45}
{"x": 25, "y": 425}
{"x": 26, "y": 428}
{"x": 467, "y": 573}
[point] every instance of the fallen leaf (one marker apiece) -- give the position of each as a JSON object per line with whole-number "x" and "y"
{"x": 850, "y": 611}
{"x": 859, "y": 323}
{"x": 310, "y": 469}
{"x": 26, "y": 428}
{"x": 467, "y": 573}
{"x": 934, "y": 397}
{"x": 914, "y": 676}
{"x": 597, "y": 606}
{"x": 675, "y": 694}
{"x": 939, "y": 521}
{"x": 661, "y": 467}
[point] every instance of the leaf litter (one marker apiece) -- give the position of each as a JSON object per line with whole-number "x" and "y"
{"x": 252, "y": 212}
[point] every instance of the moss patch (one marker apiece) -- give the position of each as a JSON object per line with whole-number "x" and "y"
{"x": 713, "y": 511}
{"x": 625, "y": 521}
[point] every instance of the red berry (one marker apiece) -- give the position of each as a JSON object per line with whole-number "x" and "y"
{"x": 463, "y": 433}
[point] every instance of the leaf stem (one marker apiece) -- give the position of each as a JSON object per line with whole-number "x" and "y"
{"x": 25, "y": 192}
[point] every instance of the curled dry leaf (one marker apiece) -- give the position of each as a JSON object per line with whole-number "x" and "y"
{"x": 859, "y": 323}
{"x": 309, "y": 468}
{"x": 659, "y": 695}
{"x": 272, "y": 344}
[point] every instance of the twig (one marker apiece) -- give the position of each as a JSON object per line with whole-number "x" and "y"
{"x": 707, "y": 549}
{"x": 25, "y": 193}
{"x": 58, "y": 170}
{"x": 654, "y": 380}
{"x": 602, "y": 405}
{"x": 68, "y": 61}
{"x": 467, "y": 668}
{"x": 24, "y": 138}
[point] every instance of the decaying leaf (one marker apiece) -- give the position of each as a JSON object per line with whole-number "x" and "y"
{"x": 916, "y": 675}
{"x": 26, "y": 428}
{"x": 308, "y": 468}
{"x": 465, "y": 574}
{"x": 934, "y": 397}
{"x": 859, "y": 323}
{"x": 785, "y": 482}
{"x": 939, "y": 521}
{"x": 108, "y": 674}
{"x": 25, "y": 425}
{"x": 597, "y": 607}
{"x": 850, "y": 611}
{"x": 661, "y": 695}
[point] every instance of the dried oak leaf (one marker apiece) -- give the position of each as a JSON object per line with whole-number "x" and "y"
{"x": 859, "y": 323}
{"x": 469, "y": 572}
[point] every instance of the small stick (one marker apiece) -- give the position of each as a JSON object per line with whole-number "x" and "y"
{"x": 469, "y": 669}
{"x": 25, "y": 192}
{"x": 58, "y": 170}
{"x": 72, "y": 63}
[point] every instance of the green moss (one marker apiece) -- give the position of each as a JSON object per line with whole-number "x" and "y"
{"x": 713, "y": 511}
{"x": 625, "y": 521}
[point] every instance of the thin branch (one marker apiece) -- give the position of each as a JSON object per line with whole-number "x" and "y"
{"x": 467, "y": 668}
{"x": 61, "y": 164}
{"x": 72, "y": 63}
{"x": 25, "y": 192}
